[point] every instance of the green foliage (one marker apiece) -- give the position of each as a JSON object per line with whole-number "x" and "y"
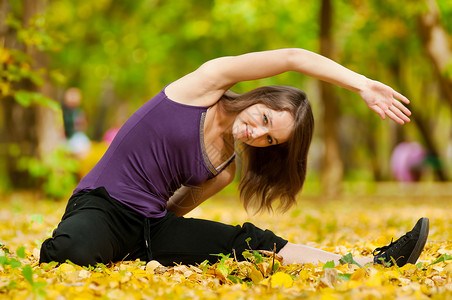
{"x": 442, "y": 258}
{"x": 18, "y": 65}
{"x": 21, "y": 252}
{"x": 138, "y": 47}
{"x": 28, "y": 274}
{"x": 254, "y": 269}
{"x": 221, "y": 267}
{"x": 26, "y": 98}
{"x": 35, "y": 34}
{"x": 37, "y": 219}
{"x": 100, "y": 267}
{"x": 344, "y": 277}
{"x": 329, "y": 265}
{"x": 253, "y": 256}
{"x": 348, "y": 259}
{"x": 9, "y": 264}
{"x": 120, "y": 53}
{"x": 204, "y": 266}
{"x": 445, "y": 9}
{"x": 57, "y": 171}
{"x": 22, "y": 72}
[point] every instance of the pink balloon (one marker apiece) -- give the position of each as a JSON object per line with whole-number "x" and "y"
{"x": 110, "y": 135}
{"x": 406, "y": 161}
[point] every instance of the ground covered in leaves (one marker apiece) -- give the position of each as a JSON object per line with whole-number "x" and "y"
{"x": 352, "y": 226}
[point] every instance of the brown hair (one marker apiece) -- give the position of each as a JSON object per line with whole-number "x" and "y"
{"x": 279, "y": 171}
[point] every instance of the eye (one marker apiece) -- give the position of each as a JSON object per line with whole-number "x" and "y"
{"x": 269, "y": 139}
{"x": 265, "y": 119}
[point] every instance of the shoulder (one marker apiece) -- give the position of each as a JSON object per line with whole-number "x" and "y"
{"x": 202, "y": 87}
{"x": 191, "y": 92}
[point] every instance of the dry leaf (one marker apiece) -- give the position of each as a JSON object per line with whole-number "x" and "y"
{"x": 330, "y": 277}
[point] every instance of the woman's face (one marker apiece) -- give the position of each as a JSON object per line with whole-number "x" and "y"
{"x": 261, "y": 126}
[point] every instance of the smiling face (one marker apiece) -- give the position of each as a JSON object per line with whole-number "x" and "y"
{"x": 261, "y": 126}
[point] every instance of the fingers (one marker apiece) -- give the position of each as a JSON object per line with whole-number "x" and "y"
{"x": 394, "y": 117}
{"x": 379, "y": 111}
{"x": 401, "y": 97}
{"x": 398, "y": 113}
{"x": 402, "y": 107}
{"x": 387, "y": 102}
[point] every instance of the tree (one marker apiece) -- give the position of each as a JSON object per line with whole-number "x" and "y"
{"x": 437, "y": 45}
{"x": 332, "y": 163}
{"x": 381, "y": 40}
{"x": 29, "y": 126}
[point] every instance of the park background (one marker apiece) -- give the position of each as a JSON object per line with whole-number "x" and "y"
{"x": 118, "y": 54}
{"x": 115, "y": 55}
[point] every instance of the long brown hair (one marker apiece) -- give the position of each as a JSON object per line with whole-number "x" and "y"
{"x": 279, "y": 171}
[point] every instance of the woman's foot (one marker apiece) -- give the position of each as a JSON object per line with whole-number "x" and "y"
{"x": 406, "y": 249}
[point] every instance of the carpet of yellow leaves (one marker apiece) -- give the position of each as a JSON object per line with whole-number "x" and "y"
{"x": 355, "y": 225}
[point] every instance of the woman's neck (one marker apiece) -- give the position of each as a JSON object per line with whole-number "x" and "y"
{"x": 218, "y": 137}
{"x": 220, "y": 122}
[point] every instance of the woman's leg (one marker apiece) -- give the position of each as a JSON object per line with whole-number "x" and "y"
{"x": 191, "y": 241}
{"x": 95, "y": 229}
{"x": 406, "y": 249}
{"x": 301, "y": 254}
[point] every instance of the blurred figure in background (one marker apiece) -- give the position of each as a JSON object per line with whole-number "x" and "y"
{"x": 75, "y": 123}
{"x": 408, "y": 161}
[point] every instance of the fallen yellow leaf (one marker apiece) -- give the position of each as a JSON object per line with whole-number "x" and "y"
{"x": 256, "y": 275}
{"x": 67, "y": 268}
{"x": 280, "y": 279}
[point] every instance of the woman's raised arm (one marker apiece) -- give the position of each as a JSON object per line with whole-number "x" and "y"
{"x": 206, "y": 85}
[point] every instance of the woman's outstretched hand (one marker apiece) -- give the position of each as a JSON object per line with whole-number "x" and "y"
{"x": 385, "y": 101}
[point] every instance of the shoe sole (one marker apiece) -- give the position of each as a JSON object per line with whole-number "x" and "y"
{"x": 423, "y": 234}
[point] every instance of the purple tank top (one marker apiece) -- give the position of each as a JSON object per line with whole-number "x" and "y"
{"x": 158, "y": 149}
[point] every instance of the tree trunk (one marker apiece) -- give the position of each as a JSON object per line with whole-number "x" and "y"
{"x": 26, "y": 131}
{"x": 436, "y": 44}
{"x": 333, "y": 169}
{"x": 430, "y": 144}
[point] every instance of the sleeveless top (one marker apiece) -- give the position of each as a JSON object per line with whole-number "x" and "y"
{"x": 157, "y": 150}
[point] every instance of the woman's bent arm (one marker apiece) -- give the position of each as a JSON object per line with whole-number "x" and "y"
{"x": 187, "y": 198}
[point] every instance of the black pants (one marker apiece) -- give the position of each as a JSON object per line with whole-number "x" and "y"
{"x": 96, "y": 228}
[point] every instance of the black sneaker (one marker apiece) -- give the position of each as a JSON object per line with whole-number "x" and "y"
{"x": 406, "y": 249}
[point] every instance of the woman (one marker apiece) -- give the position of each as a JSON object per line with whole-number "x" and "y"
{"x": 178, "y": 150}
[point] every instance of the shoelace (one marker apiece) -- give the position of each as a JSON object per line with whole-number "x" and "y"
{"x": 381, "y": 250}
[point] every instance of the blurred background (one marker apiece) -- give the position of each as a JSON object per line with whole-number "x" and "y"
{"x": 73, "y": 71}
